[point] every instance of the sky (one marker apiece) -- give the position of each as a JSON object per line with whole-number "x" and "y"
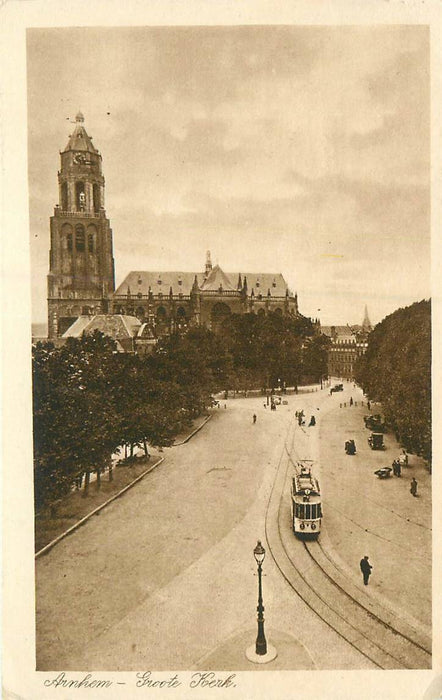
{"x": 302, "y": 150}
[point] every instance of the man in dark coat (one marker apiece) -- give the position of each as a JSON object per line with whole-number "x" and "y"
{"x": 366, "y": 568}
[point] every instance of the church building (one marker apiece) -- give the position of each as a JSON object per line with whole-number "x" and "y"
{"x": 81, "y": 280}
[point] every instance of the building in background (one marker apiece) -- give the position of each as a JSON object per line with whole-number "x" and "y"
{"x": 348, "y": 343}
{"x": 81, "y": 281}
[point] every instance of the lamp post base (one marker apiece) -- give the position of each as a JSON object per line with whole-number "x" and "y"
{"x": 261, "y": 658}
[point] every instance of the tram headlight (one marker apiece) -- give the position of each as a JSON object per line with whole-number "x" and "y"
{"x": 313, "y": 526}
{"x": 302, "y": 526}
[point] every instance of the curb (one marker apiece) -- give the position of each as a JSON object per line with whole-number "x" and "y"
{"x": 81, "y": 522}
{"x": 182, "y": 442}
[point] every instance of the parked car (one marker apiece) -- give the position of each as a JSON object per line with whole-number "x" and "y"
{"x": 375, "y": 423}
{"x": 376, "y": 441}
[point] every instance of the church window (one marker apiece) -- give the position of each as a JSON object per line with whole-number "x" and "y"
{"x": 139, "y": 295}
{"x": 69, "y": 240}
{"x": 64, "y": 196}
{"x": 96, "y": 197}
{"x": 140, "y": 281}
{"x": 180, "y": 281}
{"x": 90, "y": 241}
{"x": 159, "y": 280}
{"x": 80, "y": 197}
{"x": 161, "y": 313}
{"x": 79, "y": 238}
{"x": 257, "y": 283}
{"x": 274, "y": 283}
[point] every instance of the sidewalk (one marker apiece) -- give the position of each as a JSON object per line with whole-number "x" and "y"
{"x": 364, "y": 515}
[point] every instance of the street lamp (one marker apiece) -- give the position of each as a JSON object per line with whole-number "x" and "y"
{"x": 261, "y": 643}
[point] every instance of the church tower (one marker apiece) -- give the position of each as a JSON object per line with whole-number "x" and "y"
{"x": 81, "y": 268}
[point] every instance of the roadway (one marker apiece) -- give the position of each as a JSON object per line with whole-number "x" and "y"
{"x": 164, "y": 577}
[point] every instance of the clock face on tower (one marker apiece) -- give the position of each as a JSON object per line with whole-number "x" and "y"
{"x": 82, "y": 159}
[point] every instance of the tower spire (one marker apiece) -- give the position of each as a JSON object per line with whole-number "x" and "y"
{"x": 208, "y": 265}
{"x": 366, "y": 323}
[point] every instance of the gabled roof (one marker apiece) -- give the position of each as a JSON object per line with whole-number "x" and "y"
{"x": 139, "y": 282}
{"x": 340, "y": 331}
{"x": 218, "y": 280}
{"x": 261, "y": 282}
{"x": 79, "y": 139}
{"x": 117, "y": 326}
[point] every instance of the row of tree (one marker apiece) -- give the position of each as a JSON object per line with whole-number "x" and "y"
{"x": 396, "y": 370}
{"x": 90, "y": 401}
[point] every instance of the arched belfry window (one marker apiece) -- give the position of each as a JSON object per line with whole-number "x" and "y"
{"x": 90, "y": 242}
{"x": 64, "y": 196}
{"x": 80, "y": 196}
{"x": 66, "y": 232}
{"x": 96, "y": 197}
{"x": 79, "y": 238}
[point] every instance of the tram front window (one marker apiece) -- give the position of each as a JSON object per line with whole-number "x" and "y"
{"x": 307, "y": 511}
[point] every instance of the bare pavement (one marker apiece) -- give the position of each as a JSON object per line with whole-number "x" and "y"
{"x": 164, "y": 577}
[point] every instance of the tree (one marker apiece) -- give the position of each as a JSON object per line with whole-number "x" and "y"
{"x": 396, "y": 370}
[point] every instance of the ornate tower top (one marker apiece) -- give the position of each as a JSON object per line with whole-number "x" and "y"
{"x": 80, "y": 140}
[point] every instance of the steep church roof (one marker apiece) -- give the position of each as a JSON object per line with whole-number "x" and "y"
{"x": 262, "y": 282}
{"x": 216, "y": 280}
{"x": 139, "y": 282}
{"x": 79, "y": 139}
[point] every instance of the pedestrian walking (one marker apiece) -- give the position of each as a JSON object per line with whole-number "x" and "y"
{"x": 413, "y": 487}
{"x": 351, "y": 400}
{"x": 366, "y": 568}
{"x": 368, "y": 405}
{"x": 398, "y": 468}
{"x": 254, "y": 418}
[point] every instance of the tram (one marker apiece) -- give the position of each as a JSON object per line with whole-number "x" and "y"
{"x": 306, "y": 505}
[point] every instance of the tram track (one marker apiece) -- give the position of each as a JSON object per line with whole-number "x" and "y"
{"x": 312, "y": 575}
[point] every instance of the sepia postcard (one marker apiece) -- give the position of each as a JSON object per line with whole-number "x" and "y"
{"x": 221, "y": 295}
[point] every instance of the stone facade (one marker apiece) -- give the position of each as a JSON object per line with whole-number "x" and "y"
{"x": 81, "y": 276}
{"x": 348, "y": 343}
{"x": 81, "y": 268}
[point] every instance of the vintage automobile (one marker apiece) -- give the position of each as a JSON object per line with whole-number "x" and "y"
{"x": 350, "y": 447}
{"x": 383, "y": 473}
{"x": 337, "y": 387}
{"x": 375, "y": 423}
{"x": 376, "y": 441}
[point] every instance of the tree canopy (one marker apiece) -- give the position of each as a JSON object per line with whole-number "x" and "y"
{"x": 396, "y": 370}
{"x": 89, "y": 400}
